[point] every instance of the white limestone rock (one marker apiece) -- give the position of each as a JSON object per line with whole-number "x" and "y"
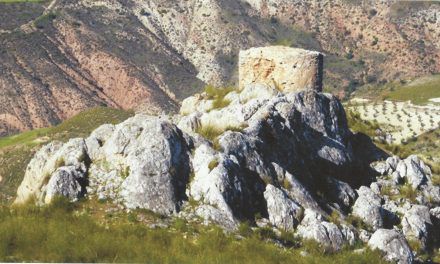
{"x": 415, "y": 170}
{"x": 314, "y": 227}
{"x": 284, "y": 213}
{"x": 368, "y": 207}
{"x": 393, "y": 244}
{"x": 214, "y": 181}
{"x": 152, "y": 157}
{"x": 67, "y": 182}
{"x": 416, "y": 224}
{"x": 211, "y": 214}
{"x": 71, "y": 156}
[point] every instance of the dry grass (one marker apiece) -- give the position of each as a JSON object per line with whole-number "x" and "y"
{"x": 408, "y": 192}
{"x": 65, "y": 232}
{"x": 218, "y": 96}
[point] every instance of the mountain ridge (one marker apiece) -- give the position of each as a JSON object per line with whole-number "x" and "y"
{"x": 156, "y": 53}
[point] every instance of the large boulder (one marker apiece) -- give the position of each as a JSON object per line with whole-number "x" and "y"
{"x": 393, "y": 244}
{"x": 215, "y": 181}
{"x": 56, "y": 169}
{"x": 143, "y": 162}
{"x": 368, "y": 207}
{"x": 221, "y": 181}
{"x": 284, "y": 213}
{"x": 314, "y": 227}
{"x": 212, "y": 214}
{"x": 415, "y": 171}
{"x": 146, "y": 159}
{"x": 417, "y": 225}
{"x": 289, "y": 69}
{"x": 66, "y": 181}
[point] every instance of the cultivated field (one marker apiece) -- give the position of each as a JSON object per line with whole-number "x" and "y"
{"x": 401, "y": 120}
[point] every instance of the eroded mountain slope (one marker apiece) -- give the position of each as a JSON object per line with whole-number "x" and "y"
{"x": 126, "y": 53}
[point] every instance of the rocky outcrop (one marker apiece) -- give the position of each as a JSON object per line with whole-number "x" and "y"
{"x": 412, "y": 173}
{"x": 265, "y": 159}
{"x": 393, "y": 244}
{"x": 152, "y": 156}
{"x": 287, "y": 160}
{"x": 142, "y": 163}
{"x": 282, "y": 67}
{"x": 56, "y": 169}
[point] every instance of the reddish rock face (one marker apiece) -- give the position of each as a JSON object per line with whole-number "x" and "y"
{"x": 53, "y": 71}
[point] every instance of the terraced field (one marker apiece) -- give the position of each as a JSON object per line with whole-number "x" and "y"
{"x": 404, "y": 111}
{"x": 402, "y": 120}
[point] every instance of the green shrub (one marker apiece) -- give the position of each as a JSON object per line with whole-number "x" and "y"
{"x": 289, "y": 239}
{"x": 386, "y": 190}
{"x": 357, "y": 124}
{"x": 60, "y": 162}
{"x": 220, "y": 103}
{"x": 125, "y": 172}
{"x": 211, "y": 132}
{"x": 132, "y": 217}
{"x": 436, "y": 179}
{"x": 286, "y": 184}
{"x": 180, "y": 225}
{"x": 266, "y": 233}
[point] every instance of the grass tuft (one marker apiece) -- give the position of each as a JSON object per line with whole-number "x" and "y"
{"x": 408, "y": 192}
{"x": 218, "y": 96}
{"x": 211, "y": 132}
{"x": 357, "y": 222}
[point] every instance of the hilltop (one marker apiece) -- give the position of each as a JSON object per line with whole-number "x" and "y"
{"x": 271, "y": 162}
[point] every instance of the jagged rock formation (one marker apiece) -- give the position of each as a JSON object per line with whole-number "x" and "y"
{"x": 286, "y": 157}
{"x": 287, "y": 69}
{"x": 155, "y": 53}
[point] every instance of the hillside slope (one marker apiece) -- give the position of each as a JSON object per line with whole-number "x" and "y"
{"x": 17, "y": 150}
{"x": 126, "y": 53}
